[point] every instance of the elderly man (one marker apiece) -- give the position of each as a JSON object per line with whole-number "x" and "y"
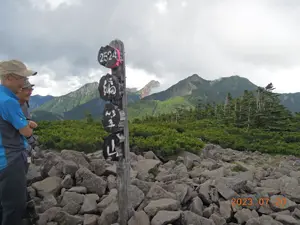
{"x": 13, "y": 129}
{"x": 24, "y": 94}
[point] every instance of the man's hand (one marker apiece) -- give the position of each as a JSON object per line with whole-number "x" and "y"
{"x": 32, "y": 124}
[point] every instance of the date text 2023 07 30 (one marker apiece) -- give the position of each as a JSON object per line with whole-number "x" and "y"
{"x": 278, "y": 201}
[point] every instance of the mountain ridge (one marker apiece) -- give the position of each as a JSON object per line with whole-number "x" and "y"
{"x": 186, "y": 93}
{"x": 38, "y": 100}
{"x": 76, "y": 104}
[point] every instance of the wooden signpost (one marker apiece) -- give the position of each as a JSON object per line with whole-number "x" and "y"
{"x": 112, "y": 88}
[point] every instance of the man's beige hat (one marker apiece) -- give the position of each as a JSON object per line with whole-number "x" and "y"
{"x": 15, "y": 67}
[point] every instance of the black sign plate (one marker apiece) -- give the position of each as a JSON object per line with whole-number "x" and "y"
{"x": 111, "y": 118}
{"x": 110, "y": 145}
{"x": 109, "y": 57}
{"x": 109, "y": 88}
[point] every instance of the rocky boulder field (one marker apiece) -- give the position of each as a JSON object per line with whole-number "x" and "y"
{"x": 72, "y": 188}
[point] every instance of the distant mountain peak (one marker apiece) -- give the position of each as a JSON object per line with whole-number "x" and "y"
{"x": 194, "y": 76}
{"x": 233, "y": 78}
{"x": 85, "y": 90}
{"x": 148, "y": 88}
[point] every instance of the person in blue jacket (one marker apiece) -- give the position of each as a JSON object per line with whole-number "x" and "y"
{"x": 14, "y": 128}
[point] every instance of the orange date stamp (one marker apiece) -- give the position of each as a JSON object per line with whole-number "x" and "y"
{"x": 278, "y": 201}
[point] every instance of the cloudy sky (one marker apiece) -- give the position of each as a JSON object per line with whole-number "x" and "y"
{"x": 164, "y": 40}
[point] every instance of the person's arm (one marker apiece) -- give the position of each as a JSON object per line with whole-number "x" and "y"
{"x": 25, "y": 110}
{"x": 14, "y": 115}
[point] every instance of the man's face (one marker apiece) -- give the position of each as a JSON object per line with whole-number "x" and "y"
{"x": 16, "y": 82}
{"x": 25, "y": 93}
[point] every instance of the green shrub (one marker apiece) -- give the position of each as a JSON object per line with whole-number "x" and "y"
{"x": 166, "y": 138}
{"x": 88, "y": 137}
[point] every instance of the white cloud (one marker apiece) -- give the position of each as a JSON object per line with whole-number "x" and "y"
{"x": 169, "y": 40}
{"x": 46, "y": 84}
{"x": 53, "y": 4}
{"x": 162, "y": 6}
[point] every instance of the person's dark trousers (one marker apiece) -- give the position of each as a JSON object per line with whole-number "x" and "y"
{"x": 30, "y": 216}
{"x": 13, "y": 192}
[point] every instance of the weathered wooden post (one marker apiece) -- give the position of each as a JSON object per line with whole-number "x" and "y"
{"x": 112, "y": 88}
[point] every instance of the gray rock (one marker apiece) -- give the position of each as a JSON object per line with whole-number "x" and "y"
{"x": 237, "y": 183}
{"x": 67, "y": 181}
{"x": 75, "y": 156}
{"x": 71, "y": 202}
{"x": 71, "y": 208}
{"x": 290, "y": 186}
{"x": 111, "y": 198}
{"x": 179, "y": 189}
{"x": 66, "y": 167}
{"x": 48, "y": 215}
{"x": 296, "y": 213}
{"x": 287, "y": 219}
{"x": 111, "y": 182}
{"x": 157, "y": 192}
{"x": 214, "y": 174}
{"x": 243, "y": 215}
{"x": 271, "y": 183}
{"x": 204, "y": 192}
{"x": 208, "y": 211}
{"x": 65, "y": 218}
{"x": 72, "y": 197}
{"x": 135, "y": 195}
{"x": 217, "y": 219}
{"x": 162, "y": 204}
{"x": 139, "y": 218}
{"x": 197, "y": 206}
{"x": 188, "y": 162}
{"x": 48, "y": 202}
{"x": 144, "y": 166}
{"x": 33, "y": 174}
{"x": 78, "y": 189}
{"x": 253, "y": 221}
{"x": 89, "y": 205}
{"x": 284, "y": 212}
{"x": 98, "y": 166}
{"x": 150, "y": 155}
{"x": 50, "y": 185}
{"x": 90, "y": 219}
{"x": 225, "y": 191}
{"x": 50, "y": 160}
{"x": 225, "y": 209}
{"x": 189, "y": 218}
{"x": 142, "y": 185}
{"x": 93, "y": 183}
{"x": 109, "y": 214}
{"x": 164, "y": 217}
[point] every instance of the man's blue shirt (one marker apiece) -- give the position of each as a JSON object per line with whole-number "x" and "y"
{"x": 12, "y": 143}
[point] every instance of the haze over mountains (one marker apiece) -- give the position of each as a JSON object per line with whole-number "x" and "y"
{"x": 186, "y": 93}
